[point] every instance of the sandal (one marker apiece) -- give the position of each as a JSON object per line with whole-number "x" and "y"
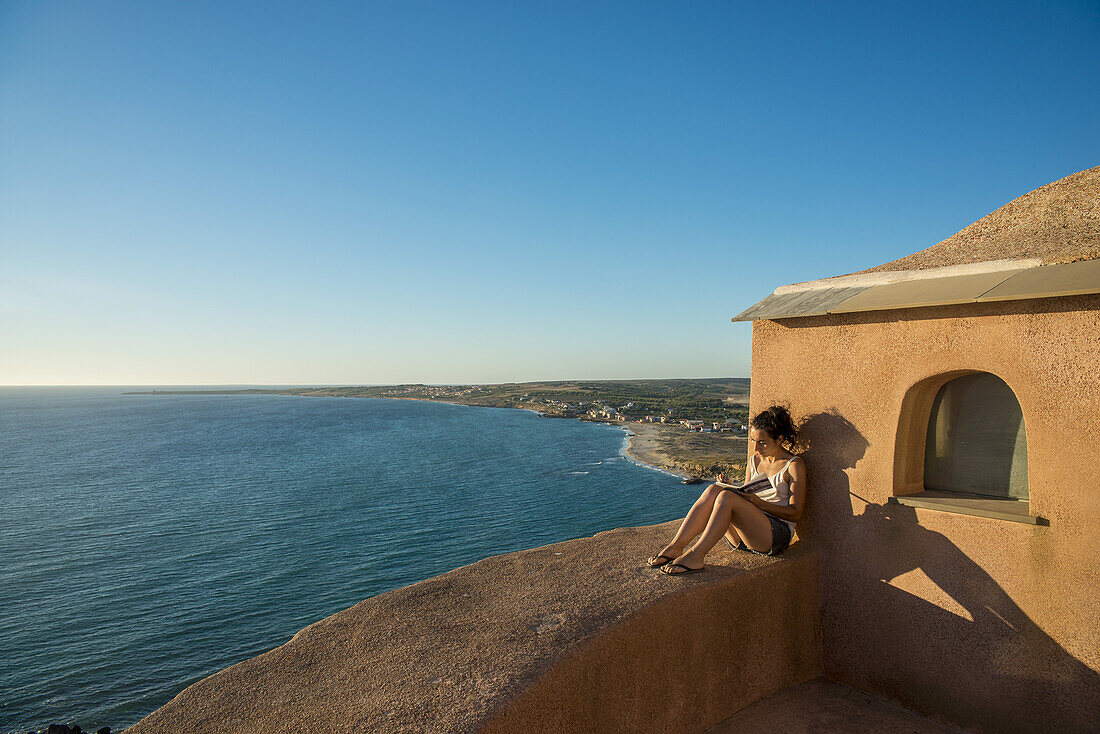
{"x": 658, "y": 561}
{"x": 665, "y": 569}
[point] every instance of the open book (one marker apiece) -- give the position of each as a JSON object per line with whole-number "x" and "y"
{"x": 752, "y": 487}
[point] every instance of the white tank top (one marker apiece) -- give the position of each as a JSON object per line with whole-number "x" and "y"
{"x": 780, "y": 492}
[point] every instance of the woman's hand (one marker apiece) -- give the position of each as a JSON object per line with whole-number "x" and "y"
{"x": 753, "y": 499}
{"x": 722, "y": 478}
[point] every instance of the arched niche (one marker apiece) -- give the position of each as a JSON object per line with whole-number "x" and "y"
{"x": 976, "y": 442}
{"x": 962, "y": 432}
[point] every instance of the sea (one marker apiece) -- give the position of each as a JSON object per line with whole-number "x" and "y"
{"x": 148, "y": 541}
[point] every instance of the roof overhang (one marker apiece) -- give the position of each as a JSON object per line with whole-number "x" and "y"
{"x": 1006, "y": 280}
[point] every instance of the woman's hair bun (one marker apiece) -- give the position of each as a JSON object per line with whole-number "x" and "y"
{"x": 776, "y": 421}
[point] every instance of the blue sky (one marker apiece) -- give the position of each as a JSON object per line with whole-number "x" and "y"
{"x": 275, "y": 193}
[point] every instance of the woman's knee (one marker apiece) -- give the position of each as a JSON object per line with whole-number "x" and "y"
{"x": 712, "y": 491}
{"x": 727, "y": 498}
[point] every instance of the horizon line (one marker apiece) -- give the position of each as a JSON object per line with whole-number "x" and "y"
{"x": 365, "y": 384}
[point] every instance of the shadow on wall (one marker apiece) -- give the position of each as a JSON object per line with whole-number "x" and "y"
{"x": 907, "y": 614}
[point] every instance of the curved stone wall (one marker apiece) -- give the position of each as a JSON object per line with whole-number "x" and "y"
{"x": 579, "y": 636}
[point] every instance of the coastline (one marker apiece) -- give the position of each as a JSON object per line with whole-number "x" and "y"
{"x": 667, "y": 448}
{"x": 664, "y": 447}
{"x": 646, "y": 444}
{"x": 642, "y": 445}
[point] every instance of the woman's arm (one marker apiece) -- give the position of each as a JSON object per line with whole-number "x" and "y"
{"x": 797, "y": 470}
{"x": 724, "y": 479}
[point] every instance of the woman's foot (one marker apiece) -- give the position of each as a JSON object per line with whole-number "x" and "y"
{"x": 687, "y": 563}
{"x": 668, "y": 555}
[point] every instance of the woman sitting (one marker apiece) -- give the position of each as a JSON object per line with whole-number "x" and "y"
{"x": 760, "y": 521}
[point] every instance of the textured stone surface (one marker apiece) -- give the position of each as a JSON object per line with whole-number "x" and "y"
{"x": 579, "y": 636}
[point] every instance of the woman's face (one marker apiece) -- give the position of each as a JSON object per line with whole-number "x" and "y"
{"x": 763, "y": 444}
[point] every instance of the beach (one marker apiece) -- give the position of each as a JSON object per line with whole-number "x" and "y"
{"x": 674, "y": 448}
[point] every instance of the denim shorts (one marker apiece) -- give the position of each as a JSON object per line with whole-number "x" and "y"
{"x": 781, "y": 538}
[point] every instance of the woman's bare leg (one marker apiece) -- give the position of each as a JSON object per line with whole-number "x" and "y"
{"x": 753, "y": 527}
{"x": 730, "y": 512}
{"x": 693, "y": 524}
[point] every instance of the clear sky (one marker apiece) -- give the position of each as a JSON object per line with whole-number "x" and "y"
{"x": 314, "y": 193}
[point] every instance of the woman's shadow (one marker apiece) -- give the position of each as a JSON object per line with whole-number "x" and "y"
{"x": 908, "y": 614}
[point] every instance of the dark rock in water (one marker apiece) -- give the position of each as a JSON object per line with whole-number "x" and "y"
{"x": 692, "y": 480}
{"x": 58, "y": 729}
{"x": 103, "y": 730}
{"x": 75, "y": 729}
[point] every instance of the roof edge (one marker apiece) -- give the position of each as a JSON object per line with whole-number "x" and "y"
{"x": 935, "y": 287}
{"x": 866, "y": 280}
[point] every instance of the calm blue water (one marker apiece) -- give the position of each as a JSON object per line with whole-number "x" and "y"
{"x": 147, "y": 542}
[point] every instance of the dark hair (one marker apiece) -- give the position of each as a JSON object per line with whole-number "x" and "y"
{"x": 776, "y": 421}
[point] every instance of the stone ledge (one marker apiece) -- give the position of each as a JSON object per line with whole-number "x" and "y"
{"x": 976, "y": 505}
{"x": 576, "y": 636}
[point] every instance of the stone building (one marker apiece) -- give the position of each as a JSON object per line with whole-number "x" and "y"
{"x": 950, "y": 403}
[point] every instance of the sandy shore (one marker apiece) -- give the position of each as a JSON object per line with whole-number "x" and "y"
{"x": 644, "y": 447}
{"x": 675, "y": 449}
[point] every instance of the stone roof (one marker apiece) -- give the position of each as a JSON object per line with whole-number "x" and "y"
{"x": 1056, "y": 223}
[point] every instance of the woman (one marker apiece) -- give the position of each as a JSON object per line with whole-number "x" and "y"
{"x": 760, "y": 522}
